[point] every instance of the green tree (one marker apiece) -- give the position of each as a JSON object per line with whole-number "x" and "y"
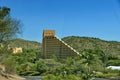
{"x": 104, "y": 58}
{"x": 41, "y": 66}
{"x": 89, "y": 59}
{"x": 9, "y": 26}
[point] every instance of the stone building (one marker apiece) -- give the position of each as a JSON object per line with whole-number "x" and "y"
{"x": 54, "y": 46}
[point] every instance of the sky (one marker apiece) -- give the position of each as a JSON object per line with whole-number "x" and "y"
{"x": 90, "y": 18}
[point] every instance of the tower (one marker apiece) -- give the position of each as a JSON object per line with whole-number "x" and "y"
{"x": 54, "y": 46}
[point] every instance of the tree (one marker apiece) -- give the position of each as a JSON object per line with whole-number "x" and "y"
{"x": 90, "y": 61}
{"x": 9, "y": 26}
{"x": 41, "y": 66}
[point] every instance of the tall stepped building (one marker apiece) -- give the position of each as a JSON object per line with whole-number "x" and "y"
{"x": 54, "y": 46}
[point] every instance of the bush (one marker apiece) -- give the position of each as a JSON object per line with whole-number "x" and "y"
{"x": 106, "y": 75}
{"x": 41, "y": 66}
{"x": 49, "y": 77}
{"x": 60, "y": 77}
{"x": 113, "y": 63}
{"x": 9, "y": 65}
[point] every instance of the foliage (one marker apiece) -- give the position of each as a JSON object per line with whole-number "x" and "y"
{"x": 107, "y": 75}
{"x": 93, "y": 61}
{"x": 83, "y": 68}
{"x": 26, "y": 63}
{"x": 8, "y": 62}
{"x": 26, "y": 44}
{"x": 60, "y": 77}
{"x": 111, "y": 48}
{"x": 27, "y": 69}
{"x": 8, "y": 25}
{"x": 113, "y": 63}
{"x": 41, "y": 66}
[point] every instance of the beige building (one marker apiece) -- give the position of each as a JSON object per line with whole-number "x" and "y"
{"x": 17, "y": 50}
{"x": 53, "y": 46}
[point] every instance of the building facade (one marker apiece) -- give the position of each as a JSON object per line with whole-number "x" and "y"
{"x": 54, "y": 46}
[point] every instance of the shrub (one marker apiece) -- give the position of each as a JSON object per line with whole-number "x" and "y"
{"x": 60, "y": 77}
{"x": 9, "y": 65}
{"x": 114, "y": 63}
{"x": 41, "y": 66}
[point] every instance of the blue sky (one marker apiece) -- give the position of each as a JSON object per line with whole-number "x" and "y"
{"x": 91, "y": 18}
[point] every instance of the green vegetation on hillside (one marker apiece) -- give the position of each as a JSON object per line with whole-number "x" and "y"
{"x": 111, "y": 48}
{"x": 26, "y": 44}
{"x": 90, "y": 65}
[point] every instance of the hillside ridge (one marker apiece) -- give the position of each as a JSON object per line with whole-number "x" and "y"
{"x": 27, "y": 44}
{"x": 112, "y": 48}
{"x": 77, "y": 42}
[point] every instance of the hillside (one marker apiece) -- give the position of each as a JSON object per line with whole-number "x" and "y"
{"x": 26, "y": 63}
{"x": 24, "y": 44}
{"x": 81, "y": 43}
